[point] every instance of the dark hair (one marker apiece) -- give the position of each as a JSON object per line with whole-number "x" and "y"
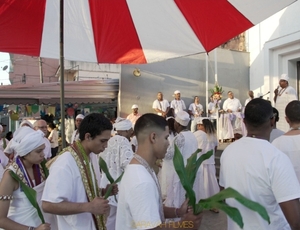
{"x": 9, "y": 135}
{"x": 208, "y": 126}
{"x": 171, "y": 122}
{"x": 292, "y": 111}
{"x": 149, "y": 120}
{"x": 257, "y": 112}
{"x": 170, "y": 113}
{"x": 51, "y": 125}
{"x": 94, "y": 124}
{"x": 276, "y": 114}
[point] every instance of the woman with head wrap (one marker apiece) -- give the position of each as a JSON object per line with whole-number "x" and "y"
{"x": 16, "y": 211}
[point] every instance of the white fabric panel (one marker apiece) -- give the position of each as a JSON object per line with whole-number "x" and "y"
{"x": 78, "y": 33}
{"x": 50, "y": 36}
{"x": 79, "y": 36}
{"x": 162, "y": 29}
{"x": 258, "y": 10}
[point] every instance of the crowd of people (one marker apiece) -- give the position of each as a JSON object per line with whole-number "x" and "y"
{"x": 73, "y": 192}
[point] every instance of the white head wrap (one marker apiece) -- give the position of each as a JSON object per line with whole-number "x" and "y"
{"x": 26, "y": 139}
{"x": 80, "y": 116}
{"x": 182, "y": 118}
{"x": 176, "y": 92}
{"x": 284, "y": 77}
{"x": 25, "y": 122}
{"x": 122, "y": 124}
{"x": 1, "y": 128}
{"x": 134, "y": 106}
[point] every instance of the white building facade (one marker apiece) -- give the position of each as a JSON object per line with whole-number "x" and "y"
{"x": 274, "y": 47}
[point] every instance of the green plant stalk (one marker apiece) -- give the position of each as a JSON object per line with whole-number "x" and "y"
{"x": 30, "y": 194}
{"x": 187, "y": 177}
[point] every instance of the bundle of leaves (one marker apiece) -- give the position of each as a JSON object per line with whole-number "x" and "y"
{"x": 187, "y": 175}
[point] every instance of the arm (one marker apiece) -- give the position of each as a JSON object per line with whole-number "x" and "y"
{"x": 51, "y": 136}
{"x": 291, "y": 211}
{"x": 275, "y": 94}
{"x": 7, "y": 187}
{"x": 97, "y": 206}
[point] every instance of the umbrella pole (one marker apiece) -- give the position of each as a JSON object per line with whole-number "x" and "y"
{"x": 62, "y": 78}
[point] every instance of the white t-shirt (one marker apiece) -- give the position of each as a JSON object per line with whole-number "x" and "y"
{"x": 47, "y": 149}
{"x": 290, "y": 145}
{"x": 275, "y": 133}
{"x": 178, "y": 105}
{"x": 54, "y": 141}
{"x": 213, "y": 109}
{"x": 196, "y": 109}
{"x": 262, "y": 173}
{"x": 161, "y": 105}
{"x": 232, "y": 104}
{"x": 138, "y": 205}
{"x": 65, "y": 184}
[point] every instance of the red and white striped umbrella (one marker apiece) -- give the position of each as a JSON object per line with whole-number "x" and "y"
{"x": 127, "y": 31}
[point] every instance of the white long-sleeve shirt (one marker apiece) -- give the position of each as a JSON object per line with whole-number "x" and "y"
{"x": 233, "y": 104}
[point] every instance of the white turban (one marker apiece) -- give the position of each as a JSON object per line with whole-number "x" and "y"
{"x": 122, "y": 124}
{"x": 284, "y": 77}
{"x": 80, "y": 116}
{"x": 25, "y": 122}
{"x": 182, "y": 118}
{"x": 25, "y": 140}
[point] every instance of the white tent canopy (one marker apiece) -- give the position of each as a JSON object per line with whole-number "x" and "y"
{"x": 92, "y": 91}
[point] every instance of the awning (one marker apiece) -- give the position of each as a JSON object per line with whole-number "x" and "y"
{"x": 91, "y": 91}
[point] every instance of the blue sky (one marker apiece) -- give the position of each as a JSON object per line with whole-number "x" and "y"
{"x": 4, "y": 60}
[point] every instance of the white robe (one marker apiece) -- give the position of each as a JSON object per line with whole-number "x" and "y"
{"x": 287, "y": 96}
{"x": 187, "y": 144}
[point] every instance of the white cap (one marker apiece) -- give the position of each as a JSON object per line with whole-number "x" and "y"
{"x": 80, "y": 116}
{"x": 176, "y": 92}
{"x": 284, "y": 77}
{"x": 182, "y": 118}
{"x": 122, "y": 124}
{"x": 134, "y": 106}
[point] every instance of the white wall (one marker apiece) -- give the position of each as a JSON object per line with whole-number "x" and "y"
{"x": 186, "y": 74}
{"x": 274, "y": 47}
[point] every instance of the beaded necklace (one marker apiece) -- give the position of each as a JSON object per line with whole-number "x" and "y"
{"x": 143, "y": 162}
{"x": 281, "y": 91}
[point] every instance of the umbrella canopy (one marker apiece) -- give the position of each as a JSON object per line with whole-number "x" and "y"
{"x": 127, "y": 31}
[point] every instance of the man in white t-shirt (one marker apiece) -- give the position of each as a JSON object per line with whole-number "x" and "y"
{"x": 283, "y": 95}
{"x": 177, "y": 104}
{"x": 42, "y": 125}
{"x": 71, "y": 191}
{"x": 117, "y": 155}
{"x": 262, "y": 173}
{"x": 75, "y": 135}
{"x": 161, "y": 105}
{"x": 140, "y": 203}
{"x": 231, "y": 122}
{"x": 195, "y": 110}
{"x": 289, "y": 143}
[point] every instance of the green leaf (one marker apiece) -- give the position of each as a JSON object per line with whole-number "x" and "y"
{"x": 103, "y": 167}
{"x": 108, "y": 191}
{"x": 181, "y": 172}
{"x": 44, "y": 167}
{"x": 231, "y": 193}
{"x": 119, "y": 178}
{"x": 193, "y": 165}
{"x": 30, "y": 194}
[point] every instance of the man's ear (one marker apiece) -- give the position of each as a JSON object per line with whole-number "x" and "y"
{"x": 287, "y": 120}
{"x": 152, "y": 137}
{"x": 87, "y": 136}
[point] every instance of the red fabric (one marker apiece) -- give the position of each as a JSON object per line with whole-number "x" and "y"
{"x": 114, "y": 18}
{"x": 213, "y": 21}
{"x": 21, "y": 23}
